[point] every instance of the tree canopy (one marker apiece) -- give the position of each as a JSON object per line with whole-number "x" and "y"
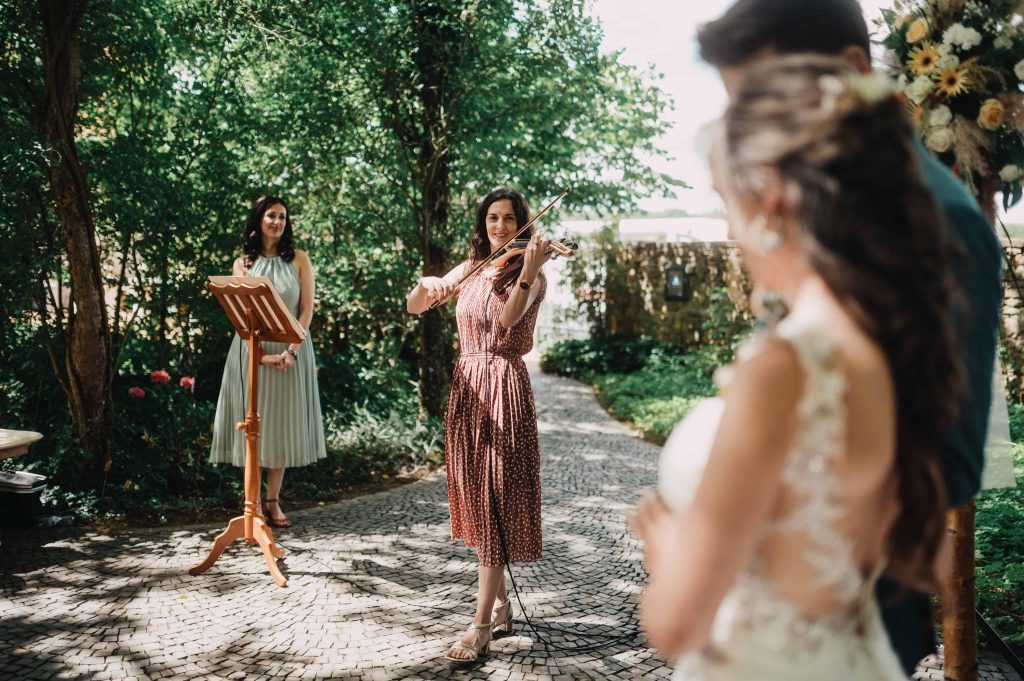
{"x": 383, "y": 123}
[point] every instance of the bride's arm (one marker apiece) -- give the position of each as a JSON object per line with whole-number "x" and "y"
{"x": 693, "y": 561}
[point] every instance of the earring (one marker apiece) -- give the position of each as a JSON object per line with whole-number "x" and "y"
{"x": 763, "y": 238}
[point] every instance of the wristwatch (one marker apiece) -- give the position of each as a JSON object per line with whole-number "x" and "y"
{"x": 524, "y": 285}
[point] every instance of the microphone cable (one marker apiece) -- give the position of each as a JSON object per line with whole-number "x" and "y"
{"x": 535, "y": 628}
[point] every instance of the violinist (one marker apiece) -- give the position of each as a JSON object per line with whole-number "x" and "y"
{"x": 491, "y": 449}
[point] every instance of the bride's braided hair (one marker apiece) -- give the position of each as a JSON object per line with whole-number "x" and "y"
{"x": 842, "y": 145}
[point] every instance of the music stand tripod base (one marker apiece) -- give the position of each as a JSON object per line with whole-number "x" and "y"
{"x": 257, "y": 313}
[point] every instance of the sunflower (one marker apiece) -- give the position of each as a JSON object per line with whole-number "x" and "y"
{"x": 924, "y": 59}
{"x": 952, "y": 82}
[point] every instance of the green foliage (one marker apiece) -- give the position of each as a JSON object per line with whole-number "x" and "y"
{"x": 161, "y": 443}
{"x": 999, "y": 546}
{"x": 586, "y": 359}
{"x": 651, "y": 385}
{"x": 722, "y": 330}
{"x": 657, "y": 396}
{"x": 367, "y": 444}
{"x": 620, "y": 291}
{"x": 382, "y": 123}
{"x": 591, "y": 272}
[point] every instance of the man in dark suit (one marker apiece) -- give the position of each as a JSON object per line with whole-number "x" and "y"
{"x": 754, "y": 29}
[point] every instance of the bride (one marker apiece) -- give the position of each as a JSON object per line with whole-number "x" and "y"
{"x": 780, "y": 503}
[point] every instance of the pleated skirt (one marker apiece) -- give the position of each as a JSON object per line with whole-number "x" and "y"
{"x": 291, "y": 425}
{"x": 500, "y": 441}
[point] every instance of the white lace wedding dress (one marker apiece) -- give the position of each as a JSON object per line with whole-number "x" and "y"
{"x": 759, "y": 633}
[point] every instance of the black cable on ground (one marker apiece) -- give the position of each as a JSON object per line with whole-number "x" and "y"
{"x": 604, "y": 640}
{"x": 1000, "y": 645}
{"x": 608, "y": 639}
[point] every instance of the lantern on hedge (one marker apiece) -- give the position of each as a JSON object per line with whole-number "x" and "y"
{"x": 677, "y": 283}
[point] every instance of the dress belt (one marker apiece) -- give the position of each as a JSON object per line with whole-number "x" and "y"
{"x": 508, "y": 358}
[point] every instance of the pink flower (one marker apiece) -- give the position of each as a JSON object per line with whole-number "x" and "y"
{"x": 187, "y": 382}
{"x": 137, "y": 392}
{"x": 159, "y": 376}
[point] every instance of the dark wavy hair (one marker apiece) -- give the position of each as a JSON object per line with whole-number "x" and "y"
{"x": 480, "y": 245}
{"x": 252, "y": 238}
{"x": 873, "y": 231}
{"x": 750, "y": 27}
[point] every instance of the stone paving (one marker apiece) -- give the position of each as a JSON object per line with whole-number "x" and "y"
{"x": 376, "y": 587}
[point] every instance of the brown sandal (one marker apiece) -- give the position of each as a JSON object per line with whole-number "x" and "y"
{"x": 271, "y": 520}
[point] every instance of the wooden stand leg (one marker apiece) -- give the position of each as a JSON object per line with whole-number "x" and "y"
{"x": 235, "y": 530}
{"x": 959, "y": 628}
{"x": 265, "y": 538}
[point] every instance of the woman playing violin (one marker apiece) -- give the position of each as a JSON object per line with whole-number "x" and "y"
{"x": 491, "y": 449}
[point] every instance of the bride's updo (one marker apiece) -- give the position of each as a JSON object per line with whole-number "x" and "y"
{"x": 841, "y": 143}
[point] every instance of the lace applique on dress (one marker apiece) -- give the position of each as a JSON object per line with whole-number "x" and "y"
{"x": 754, "y": 619}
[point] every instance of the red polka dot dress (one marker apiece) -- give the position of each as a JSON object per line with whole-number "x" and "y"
{"x": 490, "y": 370}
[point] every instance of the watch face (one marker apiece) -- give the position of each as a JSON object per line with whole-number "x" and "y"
{"x": 523, "y": 285}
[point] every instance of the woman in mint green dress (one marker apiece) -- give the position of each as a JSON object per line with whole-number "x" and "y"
{"x": 292, "y": 432}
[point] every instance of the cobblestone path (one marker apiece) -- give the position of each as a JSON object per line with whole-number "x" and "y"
{"x": 376, "y": 590}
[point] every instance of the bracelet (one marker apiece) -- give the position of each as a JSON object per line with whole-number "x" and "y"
{"x": 292, "y": 353}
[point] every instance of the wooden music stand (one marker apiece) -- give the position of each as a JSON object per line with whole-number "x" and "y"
{"x": 257, "y": 313}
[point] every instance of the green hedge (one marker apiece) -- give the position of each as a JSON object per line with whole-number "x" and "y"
{"x": 644, "y": 382}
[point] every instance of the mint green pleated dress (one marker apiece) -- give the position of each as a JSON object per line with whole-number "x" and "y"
{"x": 292, "y": 429}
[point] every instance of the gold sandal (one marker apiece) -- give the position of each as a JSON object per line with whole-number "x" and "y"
{"x": 504, "y": 626}
{"x": 473, "y": 651}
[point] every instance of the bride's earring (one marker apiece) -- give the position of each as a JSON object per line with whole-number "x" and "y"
{"x": 763, "y": 238}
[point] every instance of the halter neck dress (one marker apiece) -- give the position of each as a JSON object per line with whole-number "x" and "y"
{"x": 291, "y": 425}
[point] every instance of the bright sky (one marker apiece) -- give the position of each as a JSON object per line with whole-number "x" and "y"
{"x": 661, "y": 33}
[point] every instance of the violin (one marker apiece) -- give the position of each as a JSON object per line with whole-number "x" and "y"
{"x": 517, "y": 247}
{"x": 515, "y": 237}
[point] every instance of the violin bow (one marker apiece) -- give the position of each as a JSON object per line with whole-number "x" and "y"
{"x": 497, "y": 251}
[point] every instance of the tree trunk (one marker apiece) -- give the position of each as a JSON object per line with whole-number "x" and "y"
{"x": 87, "y": 355}
{"x": 436, "y": 37}
{"x": 436, "y": 350}
{"x": 959, "y": 627}
{"x": 959, "y": 630}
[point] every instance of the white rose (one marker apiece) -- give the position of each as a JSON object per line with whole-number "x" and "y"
{"x": 971, "y": 38}
{"x": 1003, "y": 42}
{"x": 1010, "y": 173}
{"x": 940, "y": 116}
{"x": 1019, "y": 69}
{"x": 944, "y": 49}
{"x": 919, "y": 89}
{"x": 961, "y": 36}
{"x": 948, "y": 62}
{"x": 940, "y": 140}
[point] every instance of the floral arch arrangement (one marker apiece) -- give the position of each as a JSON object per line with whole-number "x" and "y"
{"x": 960, "y": 65}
